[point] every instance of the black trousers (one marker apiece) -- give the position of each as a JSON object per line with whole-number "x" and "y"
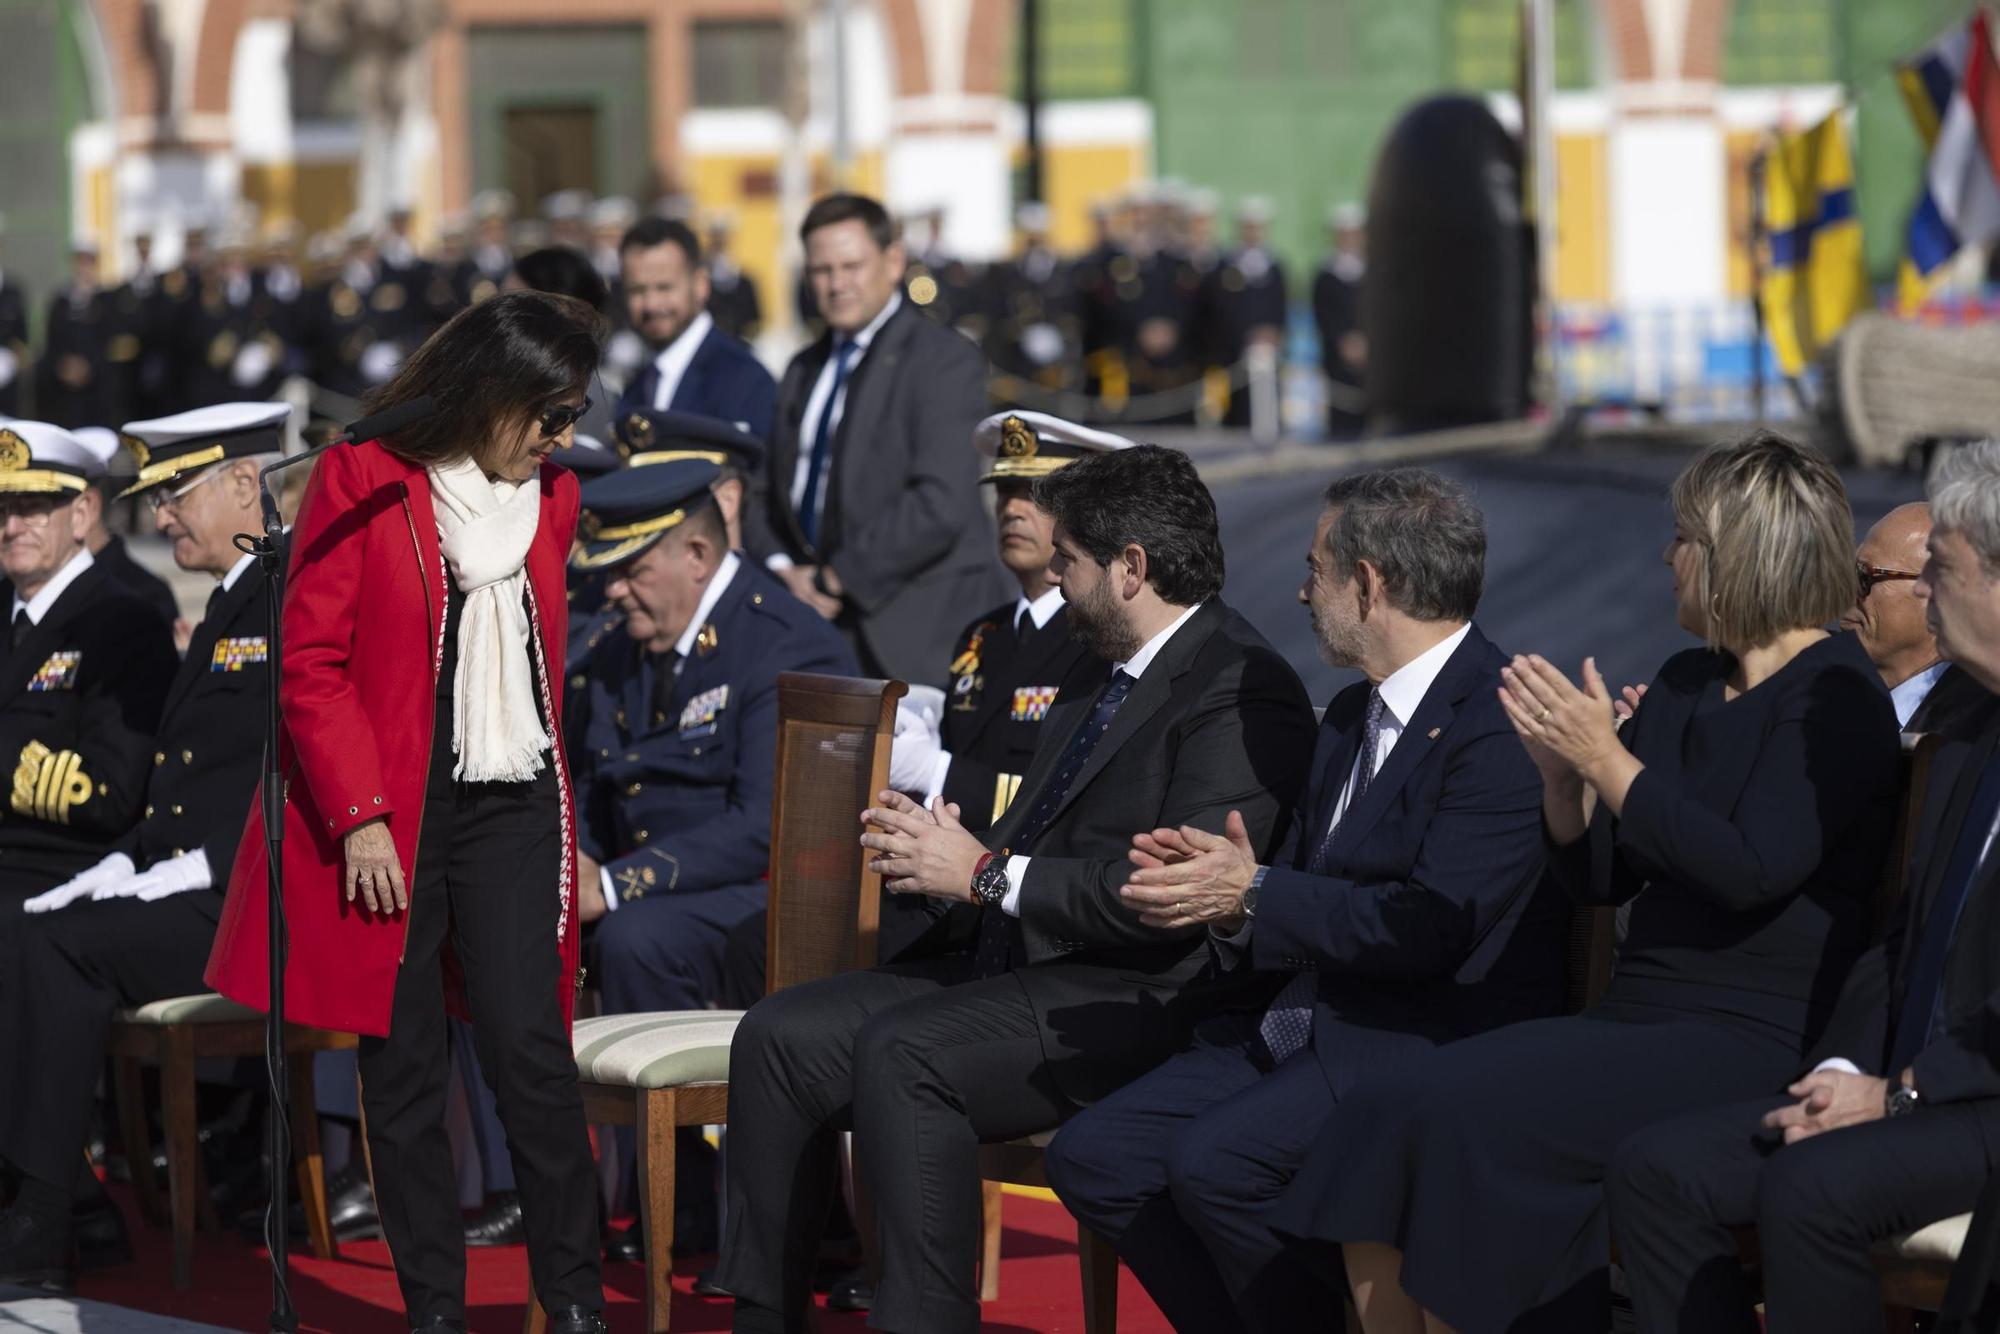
{"x": 1675, "y": 1191}
{"x": 922, "y": 1064}
{"x": 62, "y": 976}
{"x": 488, "y": 864}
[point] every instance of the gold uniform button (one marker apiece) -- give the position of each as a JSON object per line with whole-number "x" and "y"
{"x": 756, "y": 599}
{"x": 177, "y": 808}
{"x": 641, "y": 836}
{"x": 159, "y": 758}
{"x": 180, "y": 852}
{"x": 696, "y": 752}
{"x": 577, "y": 680}
{"x": 632, "y": 791}
{"x": 149, "y": 813}
{"x": 187, "y": 757}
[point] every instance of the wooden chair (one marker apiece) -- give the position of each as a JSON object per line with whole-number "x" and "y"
{"x": 659, "y": 1072}
{"x": 176, "y": 1033}
{"x": 1019, "y": 1163}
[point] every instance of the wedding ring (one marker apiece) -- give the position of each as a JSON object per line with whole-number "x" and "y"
{"x": 1545, "y": 716}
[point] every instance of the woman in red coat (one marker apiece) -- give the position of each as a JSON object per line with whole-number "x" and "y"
{"x": 429, "y": 828}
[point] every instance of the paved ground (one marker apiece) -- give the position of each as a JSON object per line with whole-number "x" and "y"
{"x": 59, "y": 1315}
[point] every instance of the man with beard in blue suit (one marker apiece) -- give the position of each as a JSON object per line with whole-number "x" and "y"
{"x": 695, "y": 366}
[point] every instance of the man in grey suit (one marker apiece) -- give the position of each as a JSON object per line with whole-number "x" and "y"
{"x": 869, "y": 510}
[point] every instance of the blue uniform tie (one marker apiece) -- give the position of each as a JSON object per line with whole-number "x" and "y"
{"x": 822, "y": 443}
{"x": 990, "y": 958}
{"x": 1923, "y": 1001}
{"x": 1287, "y": 1024}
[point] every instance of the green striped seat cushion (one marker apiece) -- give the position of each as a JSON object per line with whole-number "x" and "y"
{"x": 1940, "y": 1241}
{"x": 656, "y": 1051}
{"x": 206, "y": 1008}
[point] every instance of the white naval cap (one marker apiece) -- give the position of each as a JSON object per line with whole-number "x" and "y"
{"x": 1034, "y": 444}
{"x": 616, "y": 211}
{"x": 166, "y": 447}
{"x": 39, "y": 458}
{"x": 103, "y": 444}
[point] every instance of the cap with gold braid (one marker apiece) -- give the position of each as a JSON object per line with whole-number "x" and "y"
{"x": 649, "y": 436}
{"x": 166, "y": 447}
{"x": 37, "y": 458}
{"x": 1026, "y": 445}
{"x": 627, "y": 511}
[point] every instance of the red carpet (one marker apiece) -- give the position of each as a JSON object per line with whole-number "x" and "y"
{"x": 356, "y": 1294}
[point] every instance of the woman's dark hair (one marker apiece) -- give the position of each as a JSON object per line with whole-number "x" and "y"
{"x": 1146, "y": 496}
{"x": 495, "y": 362}
{"x": 561, "y": 270}
{"x": 851, "y": 208}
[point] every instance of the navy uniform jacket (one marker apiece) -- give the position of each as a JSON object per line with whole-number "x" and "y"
{"x": 724, "y": 379}
{"x": 209, "y": 751}
{"x": 1002, "y": 684}
{"x": 678, "y": 799}
{"x": 79, "y": 702}
{"x": 135, "y": 578}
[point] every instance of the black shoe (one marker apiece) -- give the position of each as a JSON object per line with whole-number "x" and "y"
{"x": 438, "y": 1324}
{"x": 854, "y": 1293}
{"x": 499, "y": 1224}
{"x": 706, "y": 1286}
{"x": 34, "y": 1254}
{"x": 97, "y": 1226}
{"x": 696, "y": 1232}
{"x": 350, "y": 1210}
{"x": 577, "y": 1320}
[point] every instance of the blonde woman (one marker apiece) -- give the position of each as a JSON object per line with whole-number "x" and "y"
{"x": 1751, "y": 800}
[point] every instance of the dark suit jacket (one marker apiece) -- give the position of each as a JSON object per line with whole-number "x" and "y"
{"x": 1964, "y": 1061}
{"x": 723, "y": 379}
{"x": 154, "y": 591}
{"x": 79, "y": 700}
{"x": 903, "y": 524}
{"x": 1217, "y": 722}
{"x": 1431, "y": 921}
{"x": 1957, "y": 706}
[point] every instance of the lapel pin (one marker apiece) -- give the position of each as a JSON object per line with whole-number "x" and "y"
{"x": 1434, "y": 732}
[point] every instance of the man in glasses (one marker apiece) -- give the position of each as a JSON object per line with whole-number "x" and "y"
{"x": 1929, "y": 693}
{"x": 83, "y": 677}
{"x": 137, "y": 925}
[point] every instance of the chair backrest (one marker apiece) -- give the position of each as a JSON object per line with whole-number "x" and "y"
{"x": 833, "y": 757}
{"x": 1593, "y": 931}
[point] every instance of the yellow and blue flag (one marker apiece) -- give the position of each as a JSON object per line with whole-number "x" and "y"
{"x": 1815, "y": 279}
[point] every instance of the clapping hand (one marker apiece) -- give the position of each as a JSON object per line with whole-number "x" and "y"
{"x": 1189, "y": 877}
{"x": 1566, "y": 730}
{"x": 922, "y": 851}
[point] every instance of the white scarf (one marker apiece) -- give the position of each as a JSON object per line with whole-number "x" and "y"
{"x": 485, "y": 528}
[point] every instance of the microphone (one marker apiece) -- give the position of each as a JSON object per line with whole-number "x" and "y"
{"x": 388, "y": 421}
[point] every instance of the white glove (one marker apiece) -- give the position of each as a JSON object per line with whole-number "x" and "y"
{"x": 175, "y": 875}
{"x": 114, "y": 868}
{"x": 917, "y": 758}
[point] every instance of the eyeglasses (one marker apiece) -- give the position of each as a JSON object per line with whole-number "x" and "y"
{"x": 164, "y": 500}
{"x": 556, "y": 420}
{"x": 33, "y": 510}
{"x": 1870, "y": 575}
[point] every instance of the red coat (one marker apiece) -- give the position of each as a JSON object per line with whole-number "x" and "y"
{"x": 363, "y": 639}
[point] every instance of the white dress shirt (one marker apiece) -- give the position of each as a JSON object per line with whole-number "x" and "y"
{"x": 243, "y": 563}
{"x": 684, "y": 646}
{"x": 672, "y": 363}
{"x": 44, "y": 598}
{"x": 1909, "y": 696}
{"x": 1403, "y": 690}
{"x": 822, "y": 387}
{"x": 1017, "y": 866}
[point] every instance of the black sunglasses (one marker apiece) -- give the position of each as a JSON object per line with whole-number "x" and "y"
{"x": 554, "y": 421}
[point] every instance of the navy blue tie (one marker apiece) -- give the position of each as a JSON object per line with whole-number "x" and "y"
{"x": 822, "y": 443}
{"x": 990, "y": 957}
{"x": 1922, "y": 1000}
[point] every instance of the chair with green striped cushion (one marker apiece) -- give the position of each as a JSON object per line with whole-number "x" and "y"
{"x": 175, "y": 1032}
{"x": 659, "y": 1072}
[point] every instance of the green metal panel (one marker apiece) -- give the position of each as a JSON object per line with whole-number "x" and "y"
{"x": 1783, "y": 41}
{"x": 601, "y": 67}
{"x": 1089, "y": 48}
{"x": 42, "y": 99}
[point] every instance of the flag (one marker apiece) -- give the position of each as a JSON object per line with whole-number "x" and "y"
{"x": 1814, "y": 280}
{"x": 1953, "y": 93}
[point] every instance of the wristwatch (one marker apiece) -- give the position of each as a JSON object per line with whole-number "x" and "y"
{"x": 989, "y": 881}
{"x": 1250, "y": 892}
{"x": 1902, "y": 1100}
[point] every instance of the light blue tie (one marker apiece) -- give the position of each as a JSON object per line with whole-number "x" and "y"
{"x": 822, "y": 445}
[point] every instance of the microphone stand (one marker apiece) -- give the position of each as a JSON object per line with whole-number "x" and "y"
{"x": 269, "y": 550}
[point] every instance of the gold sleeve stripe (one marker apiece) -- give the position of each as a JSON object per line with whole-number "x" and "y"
{"x": 49, "y": 784}
{"x": 1004, "y": 789}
